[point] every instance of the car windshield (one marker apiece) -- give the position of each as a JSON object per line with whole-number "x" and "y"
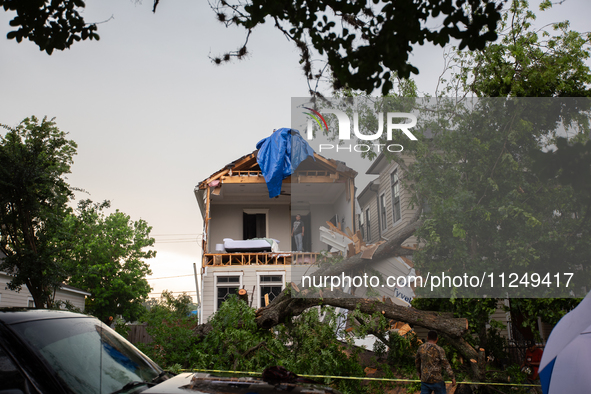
{"x": 87, "y": 355}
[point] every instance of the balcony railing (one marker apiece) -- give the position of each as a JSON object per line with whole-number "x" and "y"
{"x": 225, "y": 259}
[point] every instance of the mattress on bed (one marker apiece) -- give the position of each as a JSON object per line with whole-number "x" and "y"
{"x": 250, "y": 245}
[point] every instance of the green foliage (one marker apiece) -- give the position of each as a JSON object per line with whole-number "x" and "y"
{"x": 55, "y": 24}
{"x": 399, "y": 351}
{"x": 527, "y": 62}
{"x": 67, "y": 305}
{"x": 497, "y": 203}
{"x": 364, "y": 44}
{"x": 306, "y": 345}
{"x": 311, "y": 347}
{"x": 47, "y": 244}
{"x": 170, "y": 326}
{"x": 490, "y": 209}
{"x": 345, "y": 33}
{"x": 108, "y": 260}
{"x": 550, "y": 310}
{"x": 121, "y": 327}
{"x": 34, "y": 159}
{"x": 402, "y": 349}
{"x": 235, "y": 333}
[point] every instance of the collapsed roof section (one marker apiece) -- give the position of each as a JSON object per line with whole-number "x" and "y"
{"x": 317, "y": 172}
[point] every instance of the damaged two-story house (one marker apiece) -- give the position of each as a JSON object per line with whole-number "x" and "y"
{"x": 247, "y": 242}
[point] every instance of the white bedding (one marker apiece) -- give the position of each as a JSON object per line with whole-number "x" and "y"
{"x": 251, "y": 245}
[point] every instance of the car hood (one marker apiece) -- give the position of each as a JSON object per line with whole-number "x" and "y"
{"x": 178, "y": 384}
{"x": 198, "y": 383}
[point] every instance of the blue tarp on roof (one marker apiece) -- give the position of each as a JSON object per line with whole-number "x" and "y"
{"x": 279, "y": 155}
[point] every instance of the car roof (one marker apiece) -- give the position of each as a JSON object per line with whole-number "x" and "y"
{"x": 20, "y": 315}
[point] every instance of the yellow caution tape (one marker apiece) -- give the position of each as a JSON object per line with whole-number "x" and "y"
{"x": 362, "y": 378}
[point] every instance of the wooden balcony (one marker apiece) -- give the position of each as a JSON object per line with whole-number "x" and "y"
{"x": 226, "y": 259}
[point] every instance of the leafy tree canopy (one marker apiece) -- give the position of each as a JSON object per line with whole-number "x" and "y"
{"x": 308, "y": 344}
{"x": 517, "y": 192}
{"x": 500, "y": 195}
{"x": 108, "y": 260}
{"x": 34, "y": 157}
{"x": 49, "y": 24}
{"x": 526, "y": 62}
{"x": 363, "y": 43}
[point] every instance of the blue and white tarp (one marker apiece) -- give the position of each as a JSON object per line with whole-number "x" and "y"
{"x": 279, "y": 155}
{"x": 566, "y": 362}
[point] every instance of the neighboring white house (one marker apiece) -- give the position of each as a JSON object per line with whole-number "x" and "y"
{"x": 385, "y": 209}
{"x": 22, "y": 298}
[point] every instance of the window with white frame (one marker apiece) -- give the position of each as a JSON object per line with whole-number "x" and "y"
{"x": 225, "y": 285}
{"x": 30, "y": 303}
{"x": 270, "y": 284}
{"x": 395, "y": 185}
{"x": 383, "y": 218}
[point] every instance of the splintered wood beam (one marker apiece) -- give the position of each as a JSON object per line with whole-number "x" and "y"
{"x": 206, "y": 182}
{"x": 244, "y": 161}
{"x": 243, "y": 179}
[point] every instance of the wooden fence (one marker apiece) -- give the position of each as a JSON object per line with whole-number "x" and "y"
{"x": 138, "y": 334}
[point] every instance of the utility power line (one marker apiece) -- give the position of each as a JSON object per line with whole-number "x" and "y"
{"x": 168, "y": 277}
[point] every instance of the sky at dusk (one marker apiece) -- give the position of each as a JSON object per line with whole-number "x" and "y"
{"x": 153, "y": 116}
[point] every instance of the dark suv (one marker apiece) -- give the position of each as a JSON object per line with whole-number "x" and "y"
{"x": 55, "y": 352}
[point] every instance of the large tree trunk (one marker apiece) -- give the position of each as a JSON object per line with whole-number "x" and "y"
{"x": 278, "y": 312}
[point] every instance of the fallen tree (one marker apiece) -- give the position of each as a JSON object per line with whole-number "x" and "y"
{"x": 291, "y": 303}
{"x": 285, "y": 306}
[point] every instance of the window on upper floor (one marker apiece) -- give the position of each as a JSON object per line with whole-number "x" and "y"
{"x": 367, "y": 226}
{"x": 383, "y": 217}
{"x": 395, "y": 186}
